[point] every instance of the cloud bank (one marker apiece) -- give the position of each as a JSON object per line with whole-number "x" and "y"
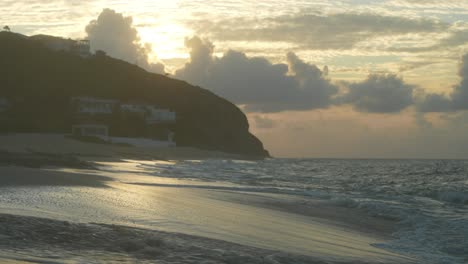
{"x": 256, "y": 82}
{"x": 261, "y": 86}
{"x": 385, "y": 93}
{"x": 117, "y": 36}
{"x": 456, "y": 101}
{"x": 317, "y": 31}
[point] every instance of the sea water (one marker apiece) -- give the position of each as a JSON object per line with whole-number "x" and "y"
{"x": 427, "y": 198}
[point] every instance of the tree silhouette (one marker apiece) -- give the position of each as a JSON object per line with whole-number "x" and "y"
{"x": 6, "y": 28}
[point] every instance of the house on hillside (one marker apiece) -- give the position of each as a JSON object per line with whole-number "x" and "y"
{"x": 125, "y": 122}
{"x": 158, "y": 123}
{"x": 82, "y": 47}
{"x": 158, "y": 116}
{"x": 151, "y": 113}
{"x": 92, "y": 116}
{"x": 94, "y": 106}
{"x": 137, "y": 108}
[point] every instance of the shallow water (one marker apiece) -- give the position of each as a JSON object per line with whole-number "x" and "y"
{"x": 429, "y": 198}
{"x": 226, "y": 200}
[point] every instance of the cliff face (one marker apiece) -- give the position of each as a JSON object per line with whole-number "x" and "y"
{"x": 40, "y": 83}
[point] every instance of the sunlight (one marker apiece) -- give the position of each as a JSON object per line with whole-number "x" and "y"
{"x": 233, "y": 131}
{"x": 166, "y": 39}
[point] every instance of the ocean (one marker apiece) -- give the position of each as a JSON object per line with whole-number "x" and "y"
{"x": 263, "y": 204}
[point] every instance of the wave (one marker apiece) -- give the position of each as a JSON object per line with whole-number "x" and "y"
{"x": 454, "y": 197}
{"x": 36, "y": 238}
{"x": 427, "y": 198}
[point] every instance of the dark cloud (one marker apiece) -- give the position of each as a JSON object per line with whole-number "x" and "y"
{"x": 315, "y": 31}
{"x": 197, "y": 70}
{"x": 385, "y": 93}
{"x": 256, "y": 82}
{"x": 116, "y": 35}
{"x": 435, "y": 103}
{"x": 460, "y": 94}
{"x": 457, "y": 100}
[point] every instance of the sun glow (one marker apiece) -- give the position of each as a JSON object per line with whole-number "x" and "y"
{"x": 167, "y": 40}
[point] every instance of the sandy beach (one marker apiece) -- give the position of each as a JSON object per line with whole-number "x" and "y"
{"x": 234, "y": 132}
{"x": 113, "y": 212}
{"x": 59, "y": 144}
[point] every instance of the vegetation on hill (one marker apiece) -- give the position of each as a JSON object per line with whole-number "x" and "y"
{"x": 39, "y": 83}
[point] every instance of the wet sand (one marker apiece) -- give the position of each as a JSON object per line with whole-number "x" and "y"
{"x": 198, "y": 220}
{"x": 21, "y": 176}
{"x": 322, "y": 211}
{"x": 39, "y": 240}
{"x": 52, "y": 215}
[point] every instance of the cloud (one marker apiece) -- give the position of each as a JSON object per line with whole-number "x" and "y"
{"x": 455, "y": 39}
{"x": 255, "y": 82}
{"x": 201, "y": 61}
{"x": 342, "y": 133}
{"x": 263, "y": 122}
{"x": 454, "y": 4}
{"x": 460, "y": 94}
{"x": 116, "y": 35}
{"x": 316, "y": 31}
{"x": 384, "y": 93}
{"x": 456, "y": 101}
{"x": 261, "y": 86}
{"x": 436, "y": 103}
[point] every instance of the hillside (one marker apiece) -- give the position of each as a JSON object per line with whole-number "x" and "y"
{"x": 40, "y": 83}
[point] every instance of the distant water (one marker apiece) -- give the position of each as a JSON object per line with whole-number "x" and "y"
{"x": 429, "y": 198}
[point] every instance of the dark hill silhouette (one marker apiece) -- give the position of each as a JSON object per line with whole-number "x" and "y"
{"x": 39, "y": 82}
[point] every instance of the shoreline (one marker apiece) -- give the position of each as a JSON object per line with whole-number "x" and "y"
{"x": 109, "y": 242}
{"x": 204, "y": 221}
{"x": 340, "y": 217}
{"x": 327, "y": 242}
{"x": 57, "y": 145}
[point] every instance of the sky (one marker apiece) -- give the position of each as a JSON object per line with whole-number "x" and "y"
{"x": 316, "y": 78}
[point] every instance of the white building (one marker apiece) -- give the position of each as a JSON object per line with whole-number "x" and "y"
{"x": 90, "y": 105}
{"x": 152, "y": 114}
{"x": 82, "y": 47}
{"x": 161, "y": 116}
{"x": 134, "y": 108}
